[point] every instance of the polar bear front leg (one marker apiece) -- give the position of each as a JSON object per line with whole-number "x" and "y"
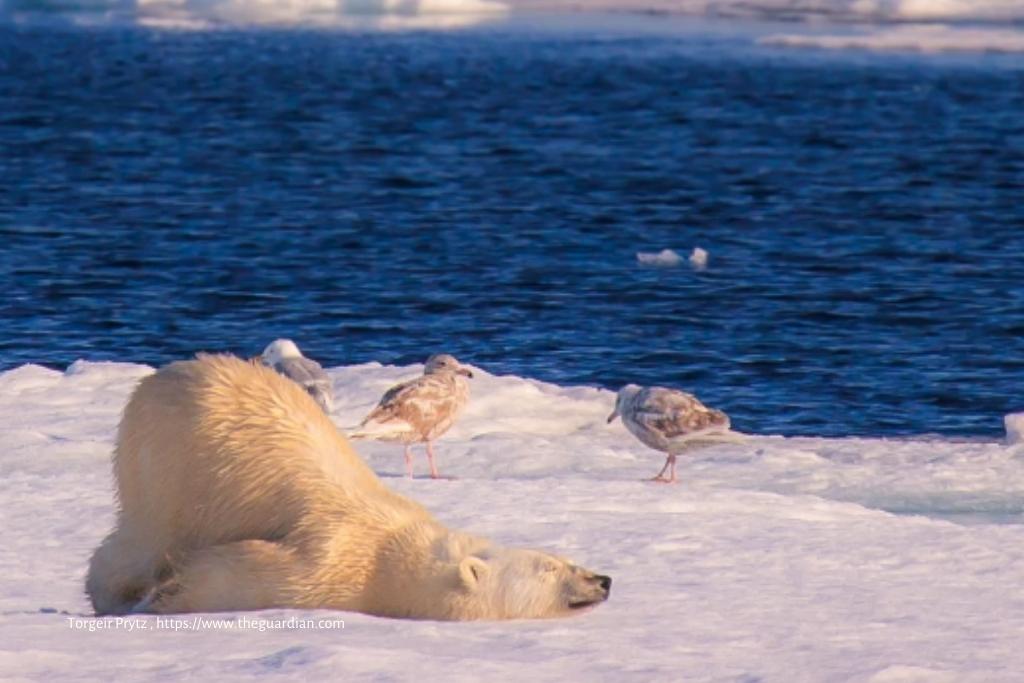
{"x": 245, "y": 575}
{"x": 121, "y": 570}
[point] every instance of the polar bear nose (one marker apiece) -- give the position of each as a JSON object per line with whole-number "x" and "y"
{"x": 605, "y": 582}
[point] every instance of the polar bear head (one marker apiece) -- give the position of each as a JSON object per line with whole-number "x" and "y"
{"x": 507, "y": 583}
{"x": 426, "y": 571}
{"x": 476, "y": 579}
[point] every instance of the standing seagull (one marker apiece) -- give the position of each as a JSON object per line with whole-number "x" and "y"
{"x": 284, "y": 356}
{"x": 421, "y": 409}
{"x": 670, "y": 421}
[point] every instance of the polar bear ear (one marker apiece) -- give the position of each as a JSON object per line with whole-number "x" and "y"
{"x": 472, "y": 571}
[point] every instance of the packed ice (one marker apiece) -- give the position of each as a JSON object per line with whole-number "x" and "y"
{"x": 779, "y": 558}
{"x": 666, "y": 258}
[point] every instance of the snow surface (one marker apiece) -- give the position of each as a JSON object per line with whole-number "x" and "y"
{"x": 780, "y": 559}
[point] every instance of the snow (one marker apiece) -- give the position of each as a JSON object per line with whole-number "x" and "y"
{"x": 779, "y": 559}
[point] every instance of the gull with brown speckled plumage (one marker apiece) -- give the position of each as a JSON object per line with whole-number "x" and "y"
{"x": 670, "y": 421}
{"x": 420, "y": 410}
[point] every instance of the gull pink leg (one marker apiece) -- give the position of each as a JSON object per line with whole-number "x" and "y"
{"x": 430, "y": 458}
{"x": 408, "y": 460}
{"x": 660, "y": 477}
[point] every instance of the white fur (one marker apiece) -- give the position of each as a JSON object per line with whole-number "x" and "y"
{"x": 236, "y": 492}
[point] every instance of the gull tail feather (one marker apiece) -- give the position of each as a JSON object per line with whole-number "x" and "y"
{"x": 383, "y": 431}
{"x": 710, "y": 436}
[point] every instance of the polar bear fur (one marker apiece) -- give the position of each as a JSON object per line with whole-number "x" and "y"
{"x": 237, "y": 492}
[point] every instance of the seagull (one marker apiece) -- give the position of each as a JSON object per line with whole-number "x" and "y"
{"x": 284, "y": 356}
{"x": 420, "y": 410}
{"x": 670, "y": 421}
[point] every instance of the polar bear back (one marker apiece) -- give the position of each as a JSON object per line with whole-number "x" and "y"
{"x": 238, "y": 452}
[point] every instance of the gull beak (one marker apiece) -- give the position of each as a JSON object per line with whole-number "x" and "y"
{"x": 615, "y": 414}
{"x": 465, "y": 371}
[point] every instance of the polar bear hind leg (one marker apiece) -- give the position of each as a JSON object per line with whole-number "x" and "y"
{"x": 245, "y": 575}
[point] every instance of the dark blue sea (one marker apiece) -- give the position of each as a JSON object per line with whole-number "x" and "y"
{"x": 382, "y": 196}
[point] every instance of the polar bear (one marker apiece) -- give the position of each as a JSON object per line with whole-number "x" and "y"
{"x": 237, "y": 492}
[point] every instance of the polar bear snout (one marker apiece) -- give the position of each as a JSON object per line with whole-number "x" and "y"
{"x": 593, "y": 589}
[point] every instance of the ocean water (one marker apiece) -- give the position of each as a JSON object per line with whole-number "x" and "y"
{"x": 382, "y": 196}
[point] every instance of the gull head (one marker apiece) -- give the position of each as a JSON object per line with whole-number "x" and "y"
{"x": 623, "y": 398}
{"x": 279, "y": 349}
{"x": 442, "y": 362}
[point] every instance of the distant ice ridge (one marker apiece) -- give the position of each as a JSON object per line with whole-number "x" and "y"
{"x": 454, "y": 13}
{"x": 874, "y": 10}
{"x": 807, "y": 10}
{"x": 385, "y": 14}
{"x": 910, "y": 38}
